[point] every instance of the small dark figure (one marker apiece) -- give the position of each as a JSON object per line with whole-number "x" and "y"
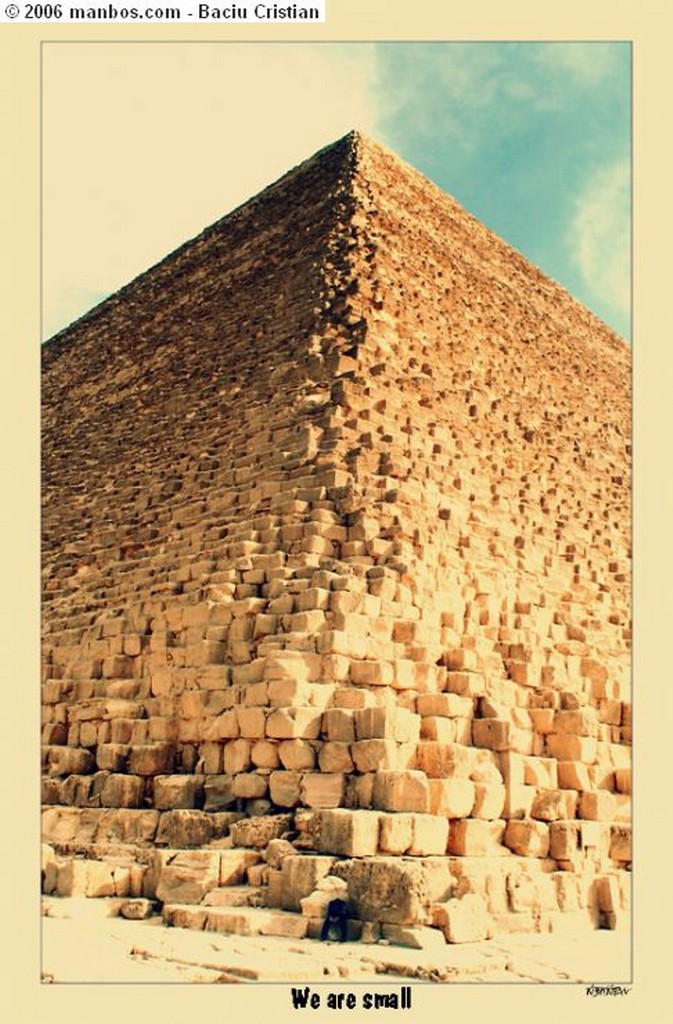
{"x": 335, "y": 919}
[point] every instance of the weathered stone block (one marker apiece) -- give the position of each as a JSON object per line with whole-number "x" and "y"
{"x": 371, "y": 755}
{"x": 151, "y": 759}
{"x": 296, "y": 755}
{"x": 527, "y": 838}
{"x": 178, "y": 791}
{"x": 300, "y": 877}
{"x": 285, "y": 788}
{"x": 335, "y": 757}
{"x": 472, "y": 838}
{"x": 395, "y": 833}
{"x": 258, "y": 832}
{"x": 554, "y": 805}
{"x": 489, "y": 800}
{"x": 122, "y": 791}
{"x": 294, "y": 722}
{"x": 180, "y": 828}
{"x": 463, "y": 920}
{"x": 187, "y": 876}
{"x": 430, "y": 835}
{"x": 389, "y": 889}
{"x": 319, "y": 789}
{"x": 401, "y": 791}
{"x": 348, "y": 833}
{"x": 452, "y": 798}
{"x": 218, "y": 792}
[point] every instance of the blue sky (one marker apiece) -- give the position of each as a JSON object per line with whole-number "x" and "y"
{"x": 144, "y": 145}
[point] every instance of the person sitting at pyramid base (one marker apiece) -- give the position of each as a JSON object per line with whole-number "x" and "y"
{"x": 335, "y": 921}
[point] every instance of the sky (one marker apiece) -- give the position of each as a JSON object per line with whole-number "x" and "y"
{"x": 144, "y": 145}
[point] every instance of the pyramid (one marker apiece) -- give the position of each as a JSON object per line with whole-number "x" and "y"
{"x": 336, "y": 568}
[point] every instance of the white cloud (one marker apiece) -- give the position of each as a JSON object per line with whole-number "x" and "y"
{"x": 600, "y": 237}
{"x": 144, "y": 146}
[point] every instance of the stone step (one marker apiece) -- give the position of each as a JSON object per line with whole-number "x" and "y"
{"x": 236, "y": 920}
{"x": 236, "y": 896}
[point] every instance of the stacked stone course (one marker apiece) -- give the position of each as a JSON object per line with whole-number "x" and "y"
{"x": 336, "y": 556}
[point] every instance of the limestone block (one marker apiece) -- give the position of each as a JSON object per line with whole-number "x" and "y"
{"x": 136, "y": 909}
{"x": 125, "y": 825}
{"x": 395, "y": 833}
{"x": 401, "y": 791}
{"x": 218, "y": 792}
{"x": 321, "y": 789}
{"x": 620, "y": 843}
{"x": 489, "y": 800}
{"x": 85, "y": 878}
{"x": 359, "y": 790}
{"x": 542, "y": 720}
{"x": 339, "y": 725}
{"x": 430, "y": 835}
{"x": 573, "y": 775}
{"x": 315, "y": 905}
{"x": 299, "y": 666}
{"x": 70, "y": 761}
{"x": 464, "y": 920}
{"x": 527, "y": 838}
{"x": 259, "y": 831}
{"x": 294, "y": 722}
{"x": 385, "y": 722}
{"x": 572, "y": 748}
{"x": 236, "y": 756}
{"x": 284, "y": 788}
{"x": 466, "y": 684}
{"x": 335, "y": 757}
{"x": 296, "y": 755}
{"x": 475, "y": 838}
{"x": 122, "y": 791}
{"x": 277, "y": 850}
{"x": 210, "y": 758}
{"x": 180, "y": 828}
{"x": 446, "y": 705}
{"x": 415, "y": 937}
{"x": 174, "y": 791}
{"x": 251, "y": 722}
{"x": 301, "y": 875}
{"x": 370, "y": 755}
{"x": 112, "y": 756}
{"x": 151, "y": 758}
{"x": 623, "y": 780}
{"x": 540, "y": 772}
{"x": 349, "y": 833}
{"x": 250, "y": 786}
{"x": 595, "y": 837}
{"x": 188, "y": 876}
{"x": 578, "y": 722}
{"x": 234, "y": 866}
{"x": 393, "y": 890}
{"x": 444, "y": 760}
{"x": 453, "y": 798}
{"x": 598, "y": 805}
{"x": 518, "y": 801}
{"x": 499, "y": 734}
{"x": 264, "y": 754}
{"x": 554, "y": 805}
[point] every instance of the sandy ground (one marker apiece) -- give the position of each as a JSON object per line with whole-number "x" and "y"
{"x": 82, "y": 946}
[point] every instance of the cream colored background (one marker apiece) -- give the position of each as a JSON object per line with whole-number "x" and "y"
{"x": 23, "y": 998}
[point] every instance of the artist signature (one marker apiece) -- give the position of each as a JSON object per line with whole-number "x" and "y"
{"x": 607, "y": 990}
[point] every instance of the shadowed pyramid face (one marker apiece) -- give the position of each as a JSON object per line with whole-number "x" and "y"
{"x": 335, "y": 536}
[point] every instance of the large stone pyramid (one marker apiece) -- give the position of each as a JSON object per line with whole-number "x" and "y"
{"x": 336, "y": 574}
